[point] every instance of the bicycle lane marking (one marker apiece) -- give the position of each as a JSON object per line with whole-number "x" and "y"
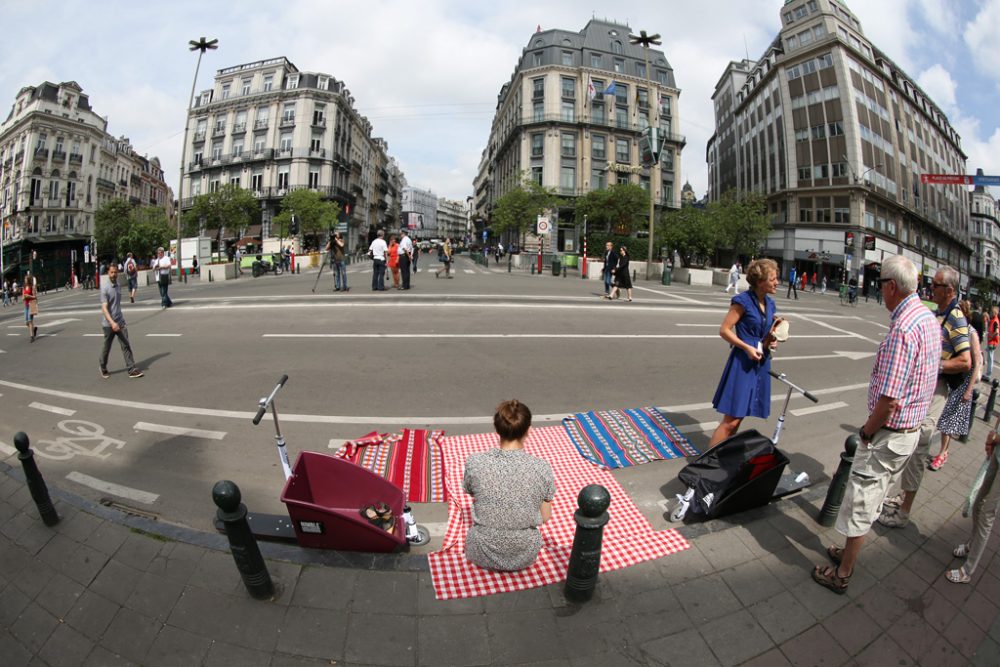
{"x": 65, "y": 412}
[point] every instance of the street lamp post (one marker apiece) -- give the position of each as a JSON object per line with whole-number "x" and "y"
{"x": 200, "y": 46}
{"x": 646, "y": 40}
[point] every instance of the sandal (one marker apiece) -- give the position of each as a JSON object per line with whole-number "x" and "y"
{"x": 835, "y": 554}
{"x": 959, "y": 576}
{"x": 370, "y": 514}
{"x": 938, "y": 461}
{"x": 961, "y": 551}
{"x": 828, "y": 578}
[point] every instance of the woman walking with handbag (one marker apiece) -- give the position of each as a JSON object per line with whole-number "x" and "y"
{"x": 623, "y": 281}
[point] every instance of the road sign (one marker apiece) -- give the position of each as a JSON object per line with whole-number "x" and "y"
{"x": 544, "y": 225}
{"x": 946, "y": 179}
{"x": 341, "y": 227}
{"x": 986, "y": 180}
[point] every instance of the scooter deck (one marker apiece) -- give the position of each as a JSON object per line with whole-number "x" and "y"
{"x": 267, "y": 527}
{"x": 787, "y": 484}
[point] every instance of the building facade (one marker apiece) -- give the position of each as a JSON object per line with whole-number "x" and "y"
{"x": 985, "y": 232}
{"x": 571, "y": 116}
{"x": 419, "y": 213}
{"x": 58, "y": 165}
{"x": 452, "y": 219}
{"x": 270, "y": 129}
{"x": 837, "y": 136}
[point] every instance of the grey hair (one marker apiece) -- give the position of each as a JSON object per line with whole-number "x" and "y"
{"x": 949, "y": 276}
{"x": 380, "y": 233}
{"x": 902, "y": 272}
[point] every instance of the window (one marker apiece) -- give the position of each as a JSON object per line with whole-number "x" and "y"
{"x": 245, "y": 87}
{"x": 537, "y": 145}
{"x": 40, "y": 144}
{"x": 258, "y": 145}
{"x": 225, "y": 91}
{"x": 217, "y": 150}
{"x": 536, "y": 59}
{"x": 567, "y": 58}
{"x": 288, "y": 114}
{"x": 197, "y": 157}
{"x": 598, "y": 90}
{"x": 283, "y": 177}
{"x": 623, "y": 152}
{"x": 199, "y": 132}
{"x": 842, "y": 215}
{"x": 667, "y": 159}
{"x": 261, "y": 122}
{"x": 53, "y": 190}
{"x": 286, "y": 141}
{"x": 538, "y": 111}
{"x": 642, "y": 97}
{"x": 665, "y": 106}
{"x": 595, "y": 60}
{"x": 319, "y": 115}
{"x": 568, "y": 145}
{"x": 661, "y": 77}
{"x": 313, "y": 179}
{"x": 598, "y": 114}
{"x": 568, "y": 111}
{"x": 241, "y": 122}
{"x": 567, "y": 178}
{"x": 621, "y": 118}
{"x": 819, "y": 132}
{"x": 59, "y": 146}
{"x": 568, "y": 88}
{"x": 537, "y": 89}
{"x": 805, "y": 215}
{"x": 314, "y": 145}
{"x": 536, "y": 175}
{"x": 598, "y": 147}
{"x": 257, "y": 180}
{"x": 213, "y": 185}
{"x": 616, "y": 47}
{"x": 619, "y": 66}
{"x": 268, "y": 82}
{"x": 621, "y": 94}
{"x": 237, "y": 148}
{"x": 598, "y": 179}
{"x": 322, "y": 83}
{"x": 234, "y": 181}
{"x": 805, "y": 173}
{"x": 640, "y": 70}
{"x": 293, "y": 81}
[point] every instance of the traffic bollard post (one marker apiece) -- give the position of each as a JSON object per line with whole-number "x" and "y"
{"x": 991, "y": 401}
{"x": 242, "y": 543}
{"x": 972, "y": 416}
{"x": 585, "y": 559}
{"x": 33, "y": 477}
{"x": 838, "y": 485}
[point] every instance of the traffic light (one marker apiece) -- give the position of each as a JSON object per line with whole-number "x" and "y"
{"x": 293, "y": 228}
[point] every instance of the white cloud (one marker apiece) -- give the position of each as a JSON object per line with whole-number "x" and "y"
{"x": 937, "y": 82}
{"x": 981, "y": 38}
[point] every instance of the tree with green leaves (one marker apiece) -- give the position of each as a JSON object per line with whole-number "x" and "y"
{"x": 518, "y": 209}
{"x": 619, "y": 208}
{"x": 314, "y": 214}
{"x": 120, "y": 228}
{"x": 742, "y": 223}
{"x": 111, "y": 223}
{"x": 692, "y": 232}
{"x": 230, "y": 207}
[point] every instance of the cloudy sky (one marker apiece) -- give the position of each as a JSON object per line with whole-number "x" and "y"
{"x": 427, "y": 72}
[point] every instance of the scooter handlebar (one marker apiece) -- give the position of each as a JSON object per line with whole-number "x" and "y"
{"x": 264, "y": 402}
{"x": 260, "y": 415}
{"x": 283, "y": 380}
{"x": 780, "y": 376}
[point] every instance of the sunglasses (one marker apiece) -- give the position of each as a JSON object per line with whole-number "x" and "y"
{"x": 936, "y": 285}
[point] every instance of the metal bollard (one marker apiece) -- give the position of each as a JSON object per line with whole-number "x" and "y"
{"x": 633, "y": 275}
{"x": 972, "y": 416}
{"x": 585, "y": 559}
{"x": 838, "y": 485}
{"x": 36, "y": 485}
{"x": 509, "y": 256}
{"x": 532, "y": 268}
{"x": 242, "y": 543}
{"x": 564, "y": 270}
{"x": 991, "y": 401}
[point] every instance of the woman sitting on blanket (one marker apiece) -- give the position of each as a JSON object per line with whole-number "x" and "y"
{"x": 512, "y": 492}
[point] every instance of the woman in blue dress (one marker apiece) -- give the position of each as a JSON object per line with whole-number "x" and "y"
{"x": 745, "y": 387}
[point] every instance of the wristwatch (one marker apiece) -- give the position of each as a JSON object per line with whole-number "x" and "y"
{"x": 864, "y": 436}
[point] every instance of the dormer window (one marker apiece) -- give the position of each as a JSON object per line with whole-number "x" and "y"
{"x": 293, "y": 81}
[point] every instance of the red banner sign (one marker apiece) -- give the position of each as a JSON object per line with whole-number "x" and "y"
{"x": 946, "y": 179}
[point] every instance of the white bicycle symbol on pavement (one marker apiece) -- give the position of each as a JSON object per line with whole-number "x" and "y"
{"x": 89, "y": 441}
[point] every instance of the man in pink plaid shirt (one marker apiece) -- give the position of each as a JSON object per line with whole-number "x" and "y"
{"x": 903, "y": 380}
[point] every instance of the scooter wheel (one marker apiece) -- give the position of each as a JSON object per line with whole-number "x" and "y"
{"x": 679, "y": 512}
{"x": 423, "y": 537}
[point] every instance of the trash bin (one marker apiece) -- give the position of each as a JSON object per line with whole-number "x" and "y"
{"x": 556, "y": 267}
{"x": 667, "y": 270}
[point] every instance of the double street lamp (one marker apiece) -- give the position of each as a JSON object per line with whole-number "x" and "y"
{"x": 645, "y": 41}
{"x": 200, "y": 46}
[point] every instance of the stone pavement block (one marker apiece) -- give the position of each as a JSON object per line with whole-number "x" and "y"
{"x": 28, "y": 531}
{"x": 285, "y": 660}
{"x": 92, "y": 614}
{"x": 176, "y": 562}
{"x": 943, "y": 654}
{"x": 101, "y": 657}
{"x": 108, "y": 538}
{"x": 379, "y": 592}
{"x": 878, "y": 560}
{"x": 174, "y": 647}
{"x": 66, "y": 648}
{"x": 791, "y": 566}
{"x": 937, "y": 610}
{"x": 428, "y": 605}
{"x": 883, "y": 651}
{"x": 222, "y": 654}
{"x": 217, "y": 571}
{"x": 437, "y": 645}
{"x": 646, "y": 616}
{"x": 77, "y": 561}
{"x": 954, "y": 593}
{"x": 964, "y": 635}
{"x": 531, "y": 599}
{"x": 324, "y": 587}
{"x": 154, "y": 596}
{"x": 913, "y": 634}
{"x": 683, "y": 648}
{"x": 981, "y": 610}
{"x": 115, "y": 581}
{"x": 724, "y": 550}
{"x": 138, "y": 550}
{"x": 582, "y": 637}
{"x": 12, "y": 602}
{"x": 685, "y": 566}
{"x": 59, "y": 595}
{"x": 814, "y": 648}
{"x": 14, "y": 652}
{"x": 284, "y": 576}
{"x": 782, "y": 616}
{"x": 773, "y": 658}
{"x": 706, "y": 599}
{"x": 882, "y": 605}
{"x": 33, "y": 627}
{"x": 315, "y": 633}
{"x": 752, "y": 582}
{"x": 78, "y": 526}
{"x": 898, "y": 545}
{"x": 381, "y": 639}
{"x": 819, "y": 601}
{"x": 852, "y": 628}
{"x": 924, "y": 566}
{"x": 7, "y": 512}
{"x": 521, "y": 636}
{"x": 760, "y": 537}
{"x": 905, "y": 583}
{"x": 630, "y": 580}
{"x": 13, "y": 559}
{"x": 131, "y": 634}
{"x": 236, "y": 619}
{"x": 736, "y": 638}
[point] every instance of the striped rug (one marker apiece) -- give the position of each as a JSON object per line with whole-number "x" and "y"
{"x": 624, "y": 438}
{"x": 411, "y": 460}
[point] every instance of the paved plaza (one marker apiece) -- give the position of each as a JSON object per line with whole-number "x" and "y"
{"x": 155, "y": 585}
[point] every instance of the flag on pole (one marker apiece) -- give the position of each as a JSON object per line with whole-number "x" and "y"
{"x": 591, "y": 90}
{"x": 610, "y": 90}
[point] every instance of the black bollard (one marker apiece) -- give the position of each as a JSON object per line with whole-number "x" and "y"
{"x": 991, "y": 401}
{"x": 633, "y": 275}
{"x": 838, "y": 485}
{"x": 532, "y": 268}
{"x": 972, "y": 416}
{"x": 509, "y": 256}
{"x": 242, "y": 543}
{"x": 564, "y": 270}
{"x": 36, "y": 485}
{"x": 585, "y": 559}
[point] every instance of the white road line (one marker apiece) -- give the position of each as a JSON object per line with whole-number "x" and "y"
{"x": 853, "y": 356}
{"x": 52, "y": 408}
{"x": 2, "y": 352}
{"x": 178, "y": 430}
{"x": 698, "y": 428}
{"x": 10, "y": 334}
{"x": 837, "y": 329}
{"x": 678, "y": 324}
{"x": 667, "y": 294}
{"x": 357, "y": 419}
{"x": 55, "y": 323}
{"x": 92, "y": 335}
{"x": 114, "y": 489}
{"x": 513, "y": 336}
{"x": 164, "y": 335}
{"x": 818, "y": 408}
{"x": 6, "y": 450}
{"x": 468, "y": 271}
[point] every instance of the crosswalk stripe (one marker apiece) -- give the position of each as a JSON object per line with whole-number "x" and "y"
{"x": 114, "y": 489}
{"x": 66, "y": 412}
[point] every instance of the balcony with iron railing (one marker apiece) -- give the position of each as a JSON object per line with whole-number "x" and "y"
{"x": 76, "y": 158}
{"x": 219, "y": 130}
{"x": 59, "y": 156}
{"x": 42, "y": 153}
{"x": 105, "y": 183}
{"x": 260, "y": 124}
{"x": 318, "y": 122}
{"x": 239, "y": 128}
{"x": 199, "y": 136}
{"x": 287, "y": 121}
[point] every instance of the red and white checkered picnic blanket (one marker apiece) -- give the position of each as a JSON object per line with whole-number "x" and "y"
{"x": 628, "y": 537}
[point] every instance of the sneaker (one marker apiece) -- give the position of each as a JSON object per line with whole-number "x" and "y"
{"x": 135, "y": 373}
{"x": 105, "y": 374}
{"x": 894, "y": 519}
{"x": 895, "y": 502}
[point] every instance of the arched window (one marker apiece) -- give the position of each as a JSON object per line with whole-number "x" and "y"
{"x": 616, "y": 47}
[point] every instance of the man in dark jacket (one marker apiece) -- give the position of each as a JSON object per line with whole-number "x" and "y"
{"x": 610, "y": 264}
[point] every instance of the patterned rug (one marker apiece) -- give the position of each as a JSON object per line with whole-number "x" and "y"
{"x": 628, "y": 536}
{"x": 411, "y": 460}
{"x": 623, "y": 438}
